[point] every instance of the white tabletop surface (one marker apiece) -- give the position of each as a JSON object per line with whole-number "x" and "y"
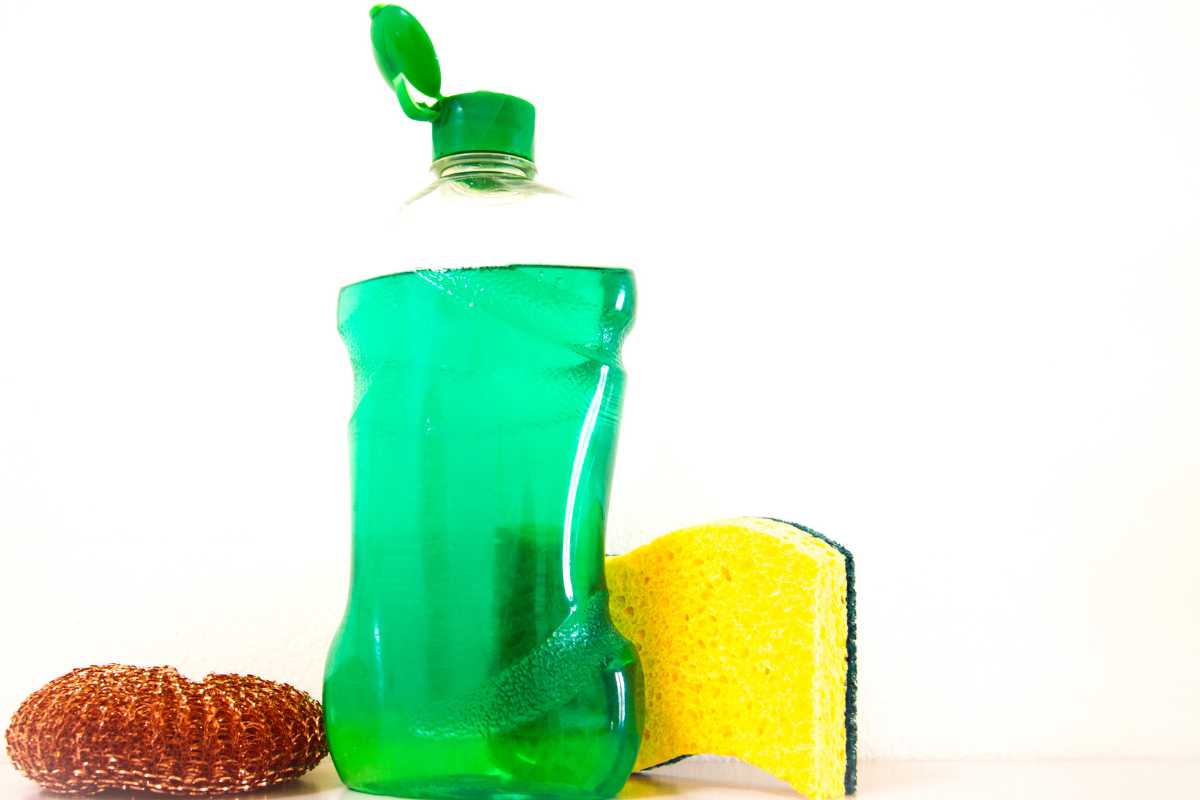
{"x": 879, "y": 780}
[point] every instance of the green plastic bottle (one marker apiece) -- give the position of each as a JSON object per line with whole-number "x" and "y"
{"x": 476, "y": 657}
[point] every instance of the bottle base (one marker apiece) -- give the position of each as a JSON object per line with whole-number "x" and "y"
{"x": 474, "y": 787}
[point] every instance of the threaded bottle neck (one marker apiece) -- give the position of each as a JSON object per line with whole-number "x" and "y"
{"x": 497, "y": 164}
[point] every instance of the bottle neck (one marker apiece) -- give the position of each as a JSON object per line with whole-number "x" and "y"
{"x": 484, "y": 164}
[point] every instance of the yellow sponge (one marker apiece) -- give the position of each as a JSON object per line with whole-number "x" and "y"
{"x": 744, "y": 630}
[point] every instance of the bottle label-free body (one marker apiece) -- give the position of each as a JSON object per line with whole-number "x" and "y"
{"x": 476, "y": 657}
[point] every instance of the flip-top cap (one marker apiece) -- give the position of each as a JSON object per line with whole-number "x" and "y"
{"x": 462, "y": 123}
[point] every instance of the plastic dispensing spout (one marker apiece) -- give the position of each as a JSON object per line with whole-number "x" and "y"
{"x": 471, "y": 122}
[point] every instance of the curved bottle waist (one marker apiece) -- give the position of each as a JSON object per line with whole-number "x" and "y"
{"x": 483, "y": 436}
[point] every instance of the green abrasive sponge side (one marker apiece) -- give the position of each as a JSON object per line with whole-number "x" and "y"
{"x": 851, "y": 659}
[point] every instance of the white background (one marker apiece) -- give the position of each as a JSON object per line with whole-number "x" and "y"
{"x": 924, "y": 276}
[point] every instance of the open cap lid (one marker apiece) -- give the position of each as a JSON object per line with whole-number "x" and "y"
{"x": 462, "y": 123}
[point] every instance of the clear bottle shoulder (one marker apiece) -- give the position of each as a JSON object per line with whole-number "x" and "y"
{"x": 497, "y": 214}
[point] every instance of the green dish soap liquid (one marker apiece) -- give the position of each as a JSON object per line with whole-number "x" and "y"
{"x": 476, "y": 657}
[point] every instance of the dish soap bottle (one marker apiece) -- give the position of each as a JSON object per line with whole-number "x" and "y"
{"x": 476, "y": 657}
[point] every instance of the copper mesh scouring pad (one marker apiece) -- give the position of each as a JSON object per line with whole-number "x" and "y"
{"x": 151, "y": 729}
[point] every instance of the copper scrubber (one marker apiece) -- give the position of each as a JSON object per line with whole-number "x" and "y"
{"x": 151, "y": 729}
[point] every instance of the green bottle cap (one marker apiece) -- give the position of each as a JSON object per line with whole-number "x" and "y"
{"x": 462, "y": 123}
